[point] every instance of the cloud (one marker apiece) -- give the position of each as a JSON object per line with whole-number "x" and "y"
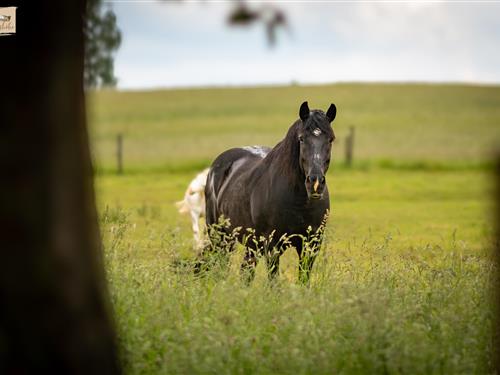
{"x": 190, "y": 44}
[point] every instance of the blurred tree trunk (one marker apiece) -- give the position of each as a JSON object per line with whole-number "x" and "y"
{"x": 55, "y": 314}
{"x": 496, "y": 291}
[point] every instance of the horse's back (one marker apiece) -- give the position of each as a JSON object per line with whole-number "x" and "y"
{"x": 224, "y": 175}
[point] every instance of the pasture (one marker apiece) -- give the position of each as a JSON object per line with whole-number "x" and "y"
{"x": 403, "y": 283}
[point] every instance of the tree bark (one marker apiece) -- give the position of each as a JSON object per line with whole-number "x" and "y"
{"x": 55, "y": 312}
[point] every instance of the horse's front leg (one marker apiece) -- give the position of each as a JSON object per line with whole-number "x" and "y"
{"x": 273, "y": 263}
{"x": 248, "y": 265}
{"x": 306, "y": 262}
{"x": 307, "y": 251}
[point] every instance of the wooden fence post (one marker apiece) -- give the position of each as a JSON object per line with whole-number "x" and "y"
{"x": 119, "y": 153}
{"x": 349, "y": 146}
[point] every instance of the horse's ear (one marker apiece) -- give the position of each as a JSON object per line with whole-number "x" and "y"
{"x": 304, "y": 111}
{"x": 331, "y": 113}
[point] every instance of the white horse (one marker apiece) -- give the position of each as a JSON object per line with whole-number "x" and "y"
{"x": 194, "y": 204}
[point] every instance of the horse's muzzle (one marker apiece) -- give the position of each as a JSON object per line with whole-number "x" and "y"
{"x": 315, "y": 184}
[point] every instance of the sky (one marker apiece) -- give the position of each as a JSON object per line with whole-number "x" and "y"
{"x": 188, "y": 43}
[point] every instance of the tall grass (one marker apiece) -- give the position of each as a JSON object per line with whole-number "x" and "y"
{"x": 370, "y": 308}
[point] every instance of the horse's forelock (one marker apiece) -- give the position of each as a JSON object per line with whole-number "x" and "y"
{"x": 318, "y": 119}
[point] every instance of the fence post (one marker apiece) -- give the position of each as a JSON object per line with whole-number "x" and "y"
{"x": 349, "y": 147}
{"x": 119, "y": 153}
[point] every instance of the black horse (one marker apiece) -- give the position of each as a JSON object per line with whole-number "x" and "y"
{"x": 279, "y": 192}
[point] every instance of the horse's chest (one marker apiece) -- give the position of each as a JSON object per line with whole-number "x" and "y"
{"x": 297, "y": 220}
{"x": 293, "y": 216}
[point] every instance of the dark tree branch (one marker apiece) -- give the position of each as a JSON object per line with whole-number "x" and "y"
{"x": 271, "y": 17}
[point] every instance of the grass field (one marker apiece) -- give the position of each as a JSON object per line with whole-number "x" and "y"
{"x": 396, "y": 122}
{"x": 403, "y": 282}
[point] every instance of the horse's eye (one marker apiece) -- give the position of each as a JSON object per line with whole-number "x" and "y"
{"x": 301, "y": 139}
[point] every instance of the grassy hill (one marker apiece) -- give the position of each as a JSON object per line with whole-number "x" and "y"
{"x": 394, "y": 122}
{"x": 403, "y": 282}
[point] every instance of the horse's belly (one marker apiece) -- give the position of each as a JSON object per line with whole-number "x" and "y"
{"x": 234, "y": 204}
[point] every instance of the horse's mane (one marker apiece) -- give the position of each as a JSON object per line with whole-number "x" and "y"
{"x": 286, "y": 153}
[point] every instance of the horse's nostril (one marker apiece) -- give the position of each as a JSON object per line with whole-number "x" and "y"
{"x": 323, "y": 179}
{"x": 308, "y": 179}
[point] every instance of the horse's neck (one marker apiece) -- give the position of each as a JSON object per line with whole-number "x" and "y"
{"x": 285, "y": 172}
